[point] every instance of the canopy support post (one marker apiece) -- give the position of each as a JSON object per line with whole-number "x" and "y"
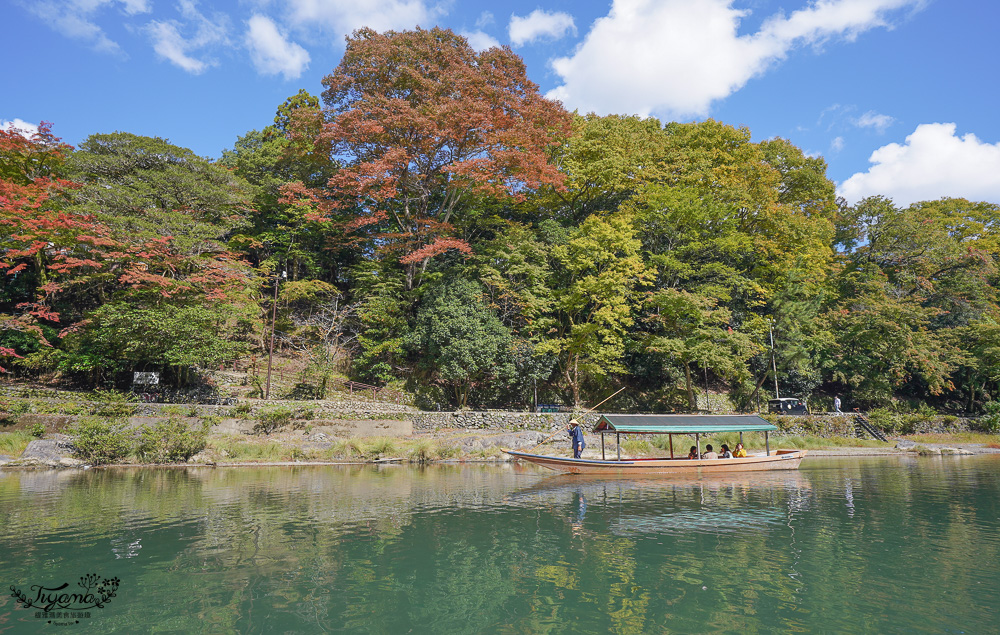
{"x": 697, "y": 440}
{"x": 671, "y": 445}
{"x": 767, "y": 446}
{"x": 618, "y": 441}
{"x": 602, "y": 446}
{"x": 741, "y": 436}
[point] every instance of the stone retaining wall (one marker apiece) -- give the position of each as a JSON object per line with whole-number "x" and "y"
{"x": 500, "y": 420}
{"x": 817, "y": 425}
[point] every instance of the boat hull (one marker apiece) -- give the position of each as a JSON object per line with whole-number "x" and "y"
{"x": 780, "y": 460}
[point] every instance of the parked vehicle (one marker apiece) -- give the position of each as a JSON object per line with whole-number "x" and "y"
{"x": 787, "y": 406}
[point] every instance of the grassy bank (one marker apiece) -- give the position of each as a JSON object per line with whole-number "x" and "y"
{"x": 262, "y": 449}
{"x": 981, "y": 438}
{"x": 12, "y": 444}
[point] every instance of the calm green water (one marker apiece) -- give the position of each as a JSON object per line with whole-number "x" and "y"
{"x": 858, "y": 545}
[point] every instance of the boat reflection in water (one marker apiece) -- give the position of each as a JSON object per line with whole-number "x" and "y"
{"x": 720, "y": 503}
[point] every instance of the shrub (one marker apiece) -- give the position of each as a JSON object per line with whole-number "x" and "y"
{"x": 378, "y": 447}
{"x": 272, "y": 420}
{"x": 11, "y": 410}
{"x": 990, "y": 422}
{"x": 37, "y": 430}
{"x": 211, "y": 420}
{"x": 423, "y": 451}
{"x": 113, "y": 404}
{"x": 240, "y": 411}
{"x": 885, "y": 420}
{"x": 101, "y": 441}
{"x": 171, "y": 440}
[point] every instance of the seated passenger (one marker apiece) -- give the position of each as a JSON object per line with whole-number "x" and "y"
{"x": 709, "y": 453}
{"x": 740, "y": 453}
{"x": 726, "y": 454}
{"x": 693, "y": 454}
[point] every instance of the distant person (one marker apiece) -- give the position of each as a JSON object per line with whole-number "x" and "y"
{"x": 740, "y": 452}
{"x": 710, "y": 453}
{"x": 576, "y": 437}
{"x": 726, "y": 454}
{"x": 693, "y": 454}
{"x": 836, "y": 404}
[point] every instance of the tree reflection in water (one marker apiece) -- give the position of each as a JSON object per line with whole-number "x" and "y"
{"x": 860, "y": 544}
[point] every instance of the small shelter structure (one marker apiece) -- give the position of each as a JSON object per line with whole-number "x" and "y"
{"x": 680, "y": 424}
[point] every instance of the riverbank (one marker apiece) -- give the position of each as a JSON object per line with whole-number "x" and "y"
{"x": 225, "y": 448}
{"x": 41, "y": 427}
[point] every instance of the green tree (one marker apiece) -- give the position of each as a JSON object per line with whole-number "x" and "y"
{"x": 601, "y": 270}
{"x": 692, "y": 331}
{"x": 885, "y": 341}
{"x": 124, "y": 335}
{"x": 145, "y": 188}
{"x": 459, "y": 341}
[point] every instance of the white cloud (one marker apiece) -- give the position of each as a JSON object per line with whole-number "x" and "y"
{"x": 135, "y": 7}
{"x": 344, "y": 16}
{"x": 271, "y": 52}
{"x": 169, "y": 44}
{"x": 480, "y": 41}
{"x": 486, "y": 18}
{"x": 172, "y": 45}
{"x": 539, "y": 25}
{"x": 26, "y": 129}
{"x": 77, "y": 19}
{"x": 872, "y": 119}
{"x": 837, "y": 144}
{"x": 934, "y": 162}
{"x": 675, "y": 57}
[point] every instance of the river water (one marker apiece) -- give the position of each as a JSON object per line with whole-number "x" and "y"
{"x": 864, "y": 545}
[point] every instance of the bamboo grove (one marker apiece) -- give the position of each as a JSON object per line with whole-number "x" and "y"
{"x": 431, "y": 220}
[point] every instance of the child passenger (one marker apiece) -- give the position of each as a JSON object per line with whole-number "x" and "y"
{"x": 740, "y": 452}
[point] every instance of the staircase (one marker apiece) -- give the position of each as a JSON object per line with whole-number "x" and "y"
{"x": 863, "y": 425}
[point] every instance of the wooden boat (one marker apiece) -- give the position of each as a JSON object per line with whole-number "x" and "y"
{"x": 670, "y": 425}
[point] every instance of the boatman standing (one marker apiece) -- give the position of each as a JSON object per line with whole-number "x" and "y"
{"x": 576, "y": 435}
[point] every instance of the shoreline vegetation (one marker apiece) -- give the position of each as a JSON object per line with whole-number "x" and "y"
{"x": 44, "y": 427}
{"x": 442, "y": 446}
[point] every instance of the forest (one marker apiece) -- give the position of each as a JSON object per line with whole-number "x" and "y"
{"x": 430, "y": 221}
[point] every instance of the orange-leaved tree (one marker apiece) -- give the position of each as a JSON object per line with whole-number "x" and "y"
{"x": 422, "y": 125}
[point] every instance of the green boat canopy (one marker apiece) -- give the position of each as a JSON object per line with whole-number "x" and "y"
{"x": 682, "y": 424}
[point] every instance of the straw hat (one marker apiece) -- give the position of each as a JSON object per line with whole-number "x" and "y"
{"x": 574, "y": 422}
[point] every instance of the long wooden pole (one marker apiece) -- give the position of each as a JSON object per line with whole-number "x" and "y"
{"x": 546, "y": 440}
{"x": 270, "y": 349}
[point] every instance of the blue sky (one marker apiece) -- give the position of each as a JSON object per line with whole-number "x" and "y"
{"x": 899, "y": 96}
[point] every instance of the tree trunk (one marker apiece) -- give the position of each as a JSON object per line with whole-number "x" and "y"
{"x": 572, "y": 375}
{"x": 410, "y": 271}
{"x": 692, "y": 403}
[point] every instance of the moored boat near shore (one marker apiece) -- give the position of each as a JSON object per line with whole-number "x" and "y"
{"x": 670, "y": 425}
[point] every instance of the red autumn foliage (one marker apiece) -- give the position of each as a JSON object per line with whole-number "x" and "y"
{"x": 68, "y": 251}
{"x": 439, "y": 246}
{"x": 423, "y": 124}
{"x": 7, "y": 352}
